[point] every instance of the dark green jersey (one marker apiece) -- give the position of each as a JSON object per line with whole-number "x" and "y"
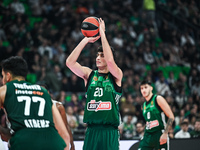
{"x": 102, "y": 100}
{"x": 28, "y": 106}
{"x": 154, "y": 116}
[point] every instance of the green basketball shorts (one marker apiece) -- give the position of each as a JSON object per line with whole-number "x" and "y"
{"x": 34, "y": 139}
{"x": 101, "y": 137}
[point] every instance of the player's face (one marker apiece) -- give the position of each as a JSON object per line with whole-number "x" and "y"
{"x": 100, "y": 60}
{"x": 145, "y": 90}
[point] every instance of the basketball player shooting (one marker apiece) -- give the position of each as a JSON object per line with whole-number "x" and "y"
{"x": 104, "y": 89}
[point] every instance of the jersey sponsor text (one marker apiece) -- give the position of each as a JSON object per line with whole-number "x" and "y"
{"x": 95, "y": 106}
{"x": 28, "y": 92}
{"x": 152, "y": 124}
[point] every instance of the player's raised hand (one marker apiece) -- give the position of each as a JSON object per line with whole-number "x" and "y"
{"x": 92, "y": 39}
{"x": 101, "y": 25}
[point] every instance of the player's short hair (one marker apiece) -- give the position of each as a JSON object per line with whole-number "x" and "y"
{"x": 145, "y": 82}
{"x": 16, "y": 65}
{"x": 100, "y": 49}
{"x": 43, "y": 84}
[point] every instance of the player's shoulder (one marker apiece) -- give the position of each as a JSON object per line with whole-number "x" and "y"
{"x": 56, "y": 102}
{"x": 3, "y": 87}
{"x": 2, "y": 93}
{"x": 159, "y": 97}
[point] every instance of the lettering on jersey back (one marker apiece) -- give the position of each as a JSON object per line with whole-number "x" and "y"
{"x": 36, "y": 123}
{"x": 27, "y": 87}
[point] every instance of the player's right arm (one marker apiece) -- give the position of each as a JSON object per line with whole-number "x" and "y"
{"x": 71, "y": 62}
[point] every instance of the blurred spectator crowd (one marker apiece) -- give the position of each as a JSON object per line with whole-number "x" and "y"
{"x": 154, "y": 39}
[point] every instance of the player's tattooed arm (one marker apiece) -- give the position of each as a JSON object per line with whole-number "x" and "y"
{"x": 167, "y": 110}
{"x": 169, "y": 123}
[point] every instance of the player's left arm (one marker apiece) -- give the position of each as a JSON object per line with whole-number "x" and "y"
{"x": 108, "y": 55}
{"x": 60, "y": 126}
{"x": 168, "y": 112}
{"x": 64, "y": 118}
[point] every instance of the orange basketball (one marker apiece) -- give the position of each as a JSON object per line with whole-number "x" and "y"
{"x": 90, "y": 27}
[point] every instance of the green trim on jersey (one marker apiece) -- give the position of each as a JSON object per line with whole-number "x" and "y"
{"x": 28, "y": 106}
{"x": 155, "y": 118}
{"x": 102, "y": 103}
